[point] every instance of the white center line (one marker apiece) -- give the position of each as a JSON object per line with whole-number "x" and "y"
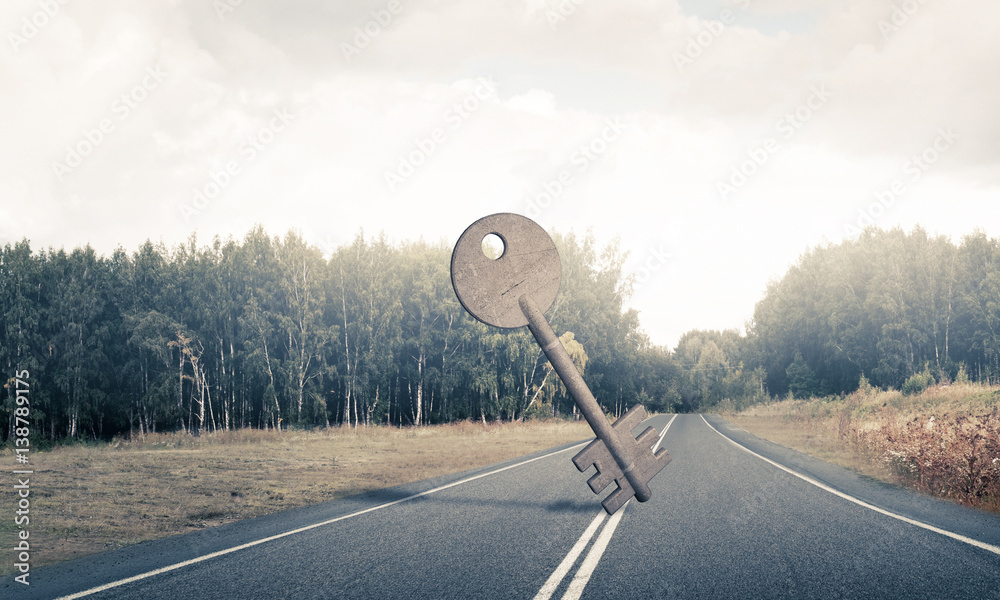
{"x": 567, "y": 563}
{"x": 582, "y": 577}
{"x": 824, "y": 487}
{"x": 663, "y": 433}
{"x": 141, "y": 576}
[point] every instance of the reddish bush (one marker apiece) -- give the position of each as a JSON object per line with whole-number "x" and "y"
{"x": 955, "y": 457}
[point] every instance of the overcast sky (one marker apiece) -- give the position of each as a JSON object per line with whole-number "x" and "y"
{"x": 718, "y": 139}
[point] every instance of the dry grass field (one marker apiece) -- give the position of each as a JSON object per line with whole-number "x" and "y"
{"x": 944, "y": 440}
{"x": 89, "y": 498}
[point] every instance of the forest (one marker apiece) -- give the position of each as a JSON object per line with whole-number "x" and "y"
{"x": 267, "y": 332}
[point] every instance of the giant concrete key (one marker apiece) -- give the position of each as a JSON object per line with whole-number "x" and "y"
{"x": 516, "y": 289}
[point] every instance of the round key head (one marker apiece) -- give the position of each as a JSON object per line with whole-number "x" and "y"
{"x": 489, "y": 288}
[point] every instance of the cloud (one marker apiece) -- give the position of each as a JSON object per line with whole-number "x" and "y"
{"x": 212, "y": 125}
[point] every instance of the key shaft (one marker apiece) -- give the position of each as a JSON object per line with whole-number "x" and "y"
{"x": 514, "y": 290}
{"x": 581, "y": 394}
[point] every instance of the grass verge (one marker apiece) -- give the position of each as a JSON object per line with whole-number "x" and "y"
{"x": 944, "y": 441}
{"x": 86, "y": 499}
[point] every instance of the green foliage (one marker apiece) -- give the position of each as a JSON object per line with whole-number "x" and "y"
{"x": 875, "y": 310}
{"x": 268, "y": 332}
{"x": 918, "y": 382}
{"x": 801, "y": 379}
{"x": 962, "y": 376}
{"x": 883, "y": 305}
{"x": 864, "y": 386}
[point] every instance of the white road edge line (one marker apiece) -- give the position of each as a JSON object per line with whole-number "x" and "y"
{"x": 173, "y": 567}
{"x": 921, "y": 524}
{"x": 586, "y": 569}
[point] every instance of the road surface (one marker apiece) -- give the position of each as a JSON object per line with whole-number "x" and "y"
{"x": 731, "y": 516}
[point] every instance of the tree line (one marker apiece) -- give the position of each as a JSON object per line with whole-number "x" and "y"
{"x": 887, "y": 305}
{"x": 267, "y": 332}
{"x": 889, "y": 308}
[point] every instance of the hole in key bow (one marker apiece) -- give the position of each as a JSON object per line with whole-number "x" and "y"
{"x": 493, "y": 246}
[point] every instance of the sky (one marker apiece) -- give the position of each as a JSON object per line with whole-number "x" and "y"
{"x": 715, "y": 140}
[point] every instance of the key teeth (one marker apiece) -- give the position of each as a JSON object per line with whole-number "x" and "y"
{"x": 596, "y": 454}
{"x": 646, "y": 463}
{"x": 588, "y": 456}
{"x": 634, "y": 416}
{"x": 600, "y": 480}
{"x": 646, "y": 438}
{"x": 617, "y": 499}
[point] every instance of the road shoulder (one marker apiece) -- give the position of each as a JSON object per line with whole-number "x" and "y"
{"x": 970, "y": 522}
{"x": 99, "y": 569}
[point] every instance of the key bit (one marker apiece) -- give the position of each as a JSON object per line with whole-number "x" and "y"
{"x": 608, "y": 471}
{"x": 515, "y": 290}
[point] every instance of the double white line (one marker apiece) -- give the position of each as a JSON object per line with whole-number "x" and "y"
{"x": 582, "y": 576}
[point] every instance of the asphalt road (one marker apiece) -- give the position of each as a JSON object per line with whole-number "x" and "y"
{"x": 722, "y": 523}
